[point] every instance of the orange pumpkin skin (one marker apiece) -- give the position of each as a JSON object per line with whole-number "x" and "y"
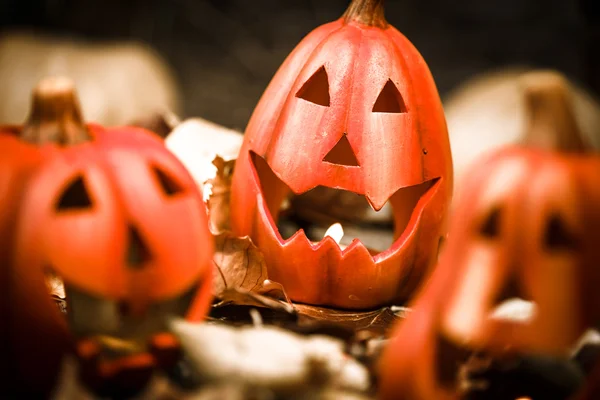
{"x": 525, "y": 226}
{"x": 401, "y": 148}
{"x": 85, "y": 208}
{"x": 408, "y": 368}
{"x": 530, "y": 231}
{"x": 33, "y": 337}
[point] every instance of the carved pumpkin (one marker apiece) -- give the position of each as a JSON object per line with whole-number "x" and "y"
{"x": 354, "y": 108}
{"x": 525, "y": 228}
{"x": 121, "y": 222}
{"x": 33, "y": 336}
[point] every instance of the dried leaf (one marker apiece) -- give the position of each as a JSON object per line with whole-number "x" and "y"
{"x": 239, "y": 264}
{"x": 376, "y": 321}
{"x": 241, "y": 276}
{"x": 218, "y": 191}
{"x": 243, "y": 297}
{"x": 274, "y": 290}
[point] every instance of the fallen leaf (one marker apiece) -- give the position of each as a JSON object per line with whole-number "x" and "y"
{"x": 239, "y": 264}
{"x": 218, "y": 192}
{"x": 375, "y": 321}
{"x": 274, "y": 290}
{"x": 243, "y": 297}
{"x": 241, "y": 276}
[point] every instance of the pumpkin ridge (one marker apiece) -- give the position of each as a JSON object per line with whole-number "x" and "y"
{"x": 272, "y": 143}
{"x": 352, "y": 79}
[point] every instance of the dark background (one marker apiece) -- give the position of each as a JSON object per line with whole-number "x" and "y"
{"x": 224, "y": 52}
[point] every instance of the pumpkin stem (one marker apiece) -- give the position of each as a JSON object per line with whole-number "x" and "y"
{"x": 550, "y": 113}
{"x": 366, "y": 12}
{"x": 55, "y": 115}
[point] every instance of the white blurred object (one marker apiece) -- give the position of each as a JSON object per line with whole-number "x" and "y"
{"x": 196, "y": 142}
{"x": 488, "y": 112}
{"x": 117, "y": 82}
{"x": 269, "y": 357}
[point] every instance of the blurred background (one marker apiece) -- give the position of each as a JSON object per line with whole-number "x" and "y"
{"x": 224, "y": 52}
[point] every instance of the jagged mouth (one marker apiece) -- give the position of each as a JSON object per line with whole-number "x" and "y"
{"x": 110, "y": 323}
{"x": 451, "y": 356}
{"x": 464, "y": 368}
{"x": 406, "y": 204}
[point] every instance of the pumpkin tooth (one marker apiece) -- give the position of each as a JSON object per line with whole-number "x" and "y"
{"x": 514, "y": 309}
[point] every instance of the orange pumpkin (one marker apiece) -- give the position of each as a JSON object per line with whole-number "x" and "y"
{"x": 31, "y": 347}
{"x": 121, "y": 222}
{"x": 525, "y": 227}
{"x": 33, "y": 336}
{"x": 354, "y": 108}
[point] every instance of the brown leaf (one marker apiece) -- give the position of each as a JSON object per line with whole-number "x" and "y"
{"x": 218, "y": 202}
{"x": 241, "y": 276}
{"x": 376, "y": 321}
{"x": 274, "y": 290}
{"x": 247, "y": 298}
{"x": 239, "y": 264}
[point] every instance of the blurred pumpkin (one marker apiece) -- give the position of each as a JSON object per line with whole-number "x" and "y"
{"x": 33, "y": 336}
{"x": 489, "y": 111}
{"x": 117, "y": 217}
{"x": 525, "y": 228}
{"x": 118, "y": 82}
{"x": 353, "y": 108}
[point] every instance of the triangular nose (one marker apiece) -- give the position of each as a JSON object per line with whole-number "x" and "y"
{"x": 342, "y": 154}
{"x": 137, "y": 250}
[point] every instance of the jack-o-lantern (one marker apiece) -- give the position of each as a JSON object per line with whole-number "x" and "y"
{"x": 525, "y": 230}
{"x": 33, "y": 338}
{"x": 121, "y": 222}
{"x": 354, "y": 108}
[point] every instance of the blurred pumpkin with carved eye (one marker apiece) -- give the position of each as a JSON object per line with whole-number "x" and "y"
{"x": 525, "y": 228}
{"x": 121, "y": 222}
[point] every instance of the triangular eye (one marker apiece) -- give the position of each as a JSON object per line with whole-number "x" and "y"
{"x": 557, "y": 235}
{"x": 138, "y": 253}
{"x": 491, "y": 226}
{"x": 168, "y": 185}
{"x": 389, "y": 100}
{"x": 75, "y": 196}
{"x": 342, "y": 154}
{"x": 316, "y": 89}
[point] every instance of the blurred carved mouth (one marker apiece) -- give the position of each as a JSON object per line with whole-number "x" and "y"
{"x": 407, "y": 204}
{"x": 110, "y": 323}
{"x": 456, "y": 362}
